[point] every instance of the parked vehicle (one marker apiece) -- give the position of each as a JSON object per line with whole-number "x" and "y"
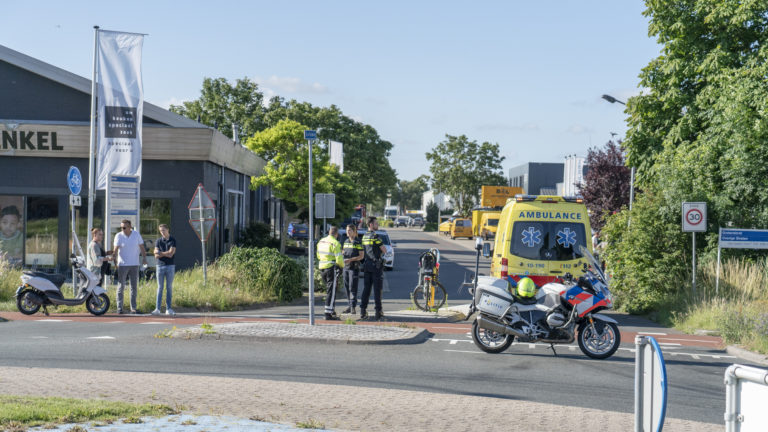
{"x": 391, "y": 212}
{"x": 488, "y": 225}
{"x": 461, "y": 228}
{"x": 555, "y": 314}
{"x": 39, "y": 289}
{"x": 402, "y": 221}
{"x": 298, "y": 231}
{"x": 429, "y": 295}
{"x": 389, "y": 256}
{"x": 446, "y": 226}
{"x": 539, "y": 237}
{"x": 417, "y": 221}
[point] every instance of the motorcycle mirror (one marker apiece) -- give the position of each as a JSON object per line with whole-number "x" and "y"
{"x": 487, "y": 250}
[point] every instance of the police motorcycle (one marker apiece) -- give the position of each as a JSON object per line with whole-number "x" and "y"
{"x": 39, "y": 289}
{"x": 557, "y": 313}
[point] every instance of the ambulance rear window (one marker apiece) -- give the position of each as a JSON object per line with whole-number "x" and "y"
{"x": 493, "y": 222}
{"x": 547, "y": 241}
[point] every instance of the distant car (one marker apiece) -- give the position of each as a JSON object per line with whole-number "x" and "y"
{"x": 402, "y": 221}
{"x": 298, "y": 231}
{"x": 389, "y": 257}
{"x": 417, "y": 221}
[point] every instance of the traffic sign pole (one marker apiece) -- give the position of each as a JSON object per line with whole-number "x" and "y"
{"x": 309, "y": 135}
{"x": 202, "y": 233}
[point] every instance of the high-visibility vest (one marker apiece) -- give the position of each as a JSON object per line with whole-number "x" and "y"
{"x": 329, "y": 253}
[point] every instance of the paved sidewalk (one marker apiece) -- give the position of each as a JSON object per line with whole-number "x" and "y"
{"x": 336, "y": 407}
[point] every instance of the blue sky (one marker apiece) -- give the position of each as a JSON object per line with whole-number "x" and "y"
{"x": 526, "y": 75}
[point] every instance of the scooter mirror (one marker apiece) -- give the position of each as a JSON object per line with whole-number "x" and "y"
{"x": 487, "y": 250}
{"x": 478, "y": 243}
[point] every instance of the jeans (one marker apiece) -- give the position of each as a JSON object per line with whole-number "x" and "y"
{"x": 132, "y": 273}
{"x": 165, "y": 275}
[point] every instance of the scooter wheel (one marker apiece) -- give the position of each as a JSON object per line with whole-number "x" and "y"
{"x": 97, "y": 305}
{"x": 25, "y": 301}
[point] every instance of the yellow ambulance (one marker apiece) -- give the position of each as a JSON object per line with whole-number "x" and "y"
{"x": 539, "y": 236}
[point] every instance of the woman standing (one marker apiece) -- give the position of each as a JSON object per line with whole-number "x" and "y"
{"x": 97, "y": 257}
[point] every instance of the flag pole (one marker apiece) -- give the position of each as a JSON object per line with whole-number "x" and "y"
{"x": 91, "y": 154}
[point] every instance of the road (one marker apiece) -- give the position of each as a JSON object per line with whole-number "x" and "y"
{"x": 447, "y": 363}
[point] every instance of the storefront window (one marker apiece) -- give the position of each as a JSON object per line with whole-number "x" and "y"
{"x": 153, "y": 213}
{"x": 42, "y": 228}
{"x": 12, "y": 229}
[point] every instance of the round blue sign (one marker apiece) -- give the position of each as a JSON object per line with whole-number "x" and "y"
{"x": 74, "y": 180}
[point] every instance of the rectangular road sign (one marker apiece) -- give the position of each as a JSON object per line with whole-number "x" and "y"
{"x": 736, "y": 238}
{"x": 325, "y": 206}
{"x": 694, "y": 217}
{"x": 310, "y": 135}
{"x": 75, "y": 201}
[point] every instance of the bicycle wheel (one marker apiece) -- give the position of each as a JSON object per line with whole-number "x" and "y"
{"x": 429, "y": 297}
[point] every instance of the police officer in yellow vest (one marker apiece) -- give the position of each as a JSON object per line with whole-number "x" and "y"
{"x": 331, "y": 262}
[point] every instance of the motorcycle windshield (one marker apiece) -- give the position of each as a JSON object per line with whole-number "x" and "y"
{"x": 596, "y": 269}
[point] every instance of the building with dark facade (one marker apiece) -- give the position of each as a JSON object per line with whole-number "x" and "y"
{"x": 537, "y": 178}
{"x": 45, "y": 129}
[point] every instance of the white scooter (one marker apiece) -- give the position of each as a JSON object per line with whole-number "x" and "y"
{"x": 39, "y": 289}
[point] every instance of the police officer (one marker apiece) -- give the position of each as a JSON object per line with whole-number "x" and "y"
{"x": 372, "y": 268}
{"x": 353, "y": 254}
{"x": 330, "y": 263}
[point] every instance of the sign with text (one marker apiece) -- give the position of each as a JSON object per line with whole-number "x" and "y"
{"x": 694, "y": 216}
{"x": 123, "y": 193}
{"x": 736, "y": 238}
{"x": 310, "y": 135}
{"x": 325, "y": 206}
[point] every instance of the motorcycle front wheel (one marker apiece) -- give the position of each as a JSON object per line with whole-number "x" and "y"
{"x": 489, "y": 340}
{"x": 25, "y": 304}
{"x": 601, "y": 341}
{"x": 97, "y": 304}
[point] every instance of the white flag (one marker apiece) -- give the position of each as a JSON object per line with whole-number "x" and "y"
{"x": 337, "y": 155}
{"x": 121, "y": 105}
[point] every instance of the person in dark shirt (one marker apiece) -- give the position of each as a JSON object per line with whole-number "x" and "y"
{"x": 372, "y": 269}
{"x": 165, "y": 249}
{"x": 353, "y": 253}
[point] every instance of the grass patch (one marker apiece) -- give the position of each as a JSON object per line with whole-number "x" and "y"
{"x": 21, "y": 412}
{"x": 207, "y": 328}
{"x": 350, "y": 321}
{"x": 738, "y": 310}
{"x": 310, "y": 424}
{"x": 165, "y": 333}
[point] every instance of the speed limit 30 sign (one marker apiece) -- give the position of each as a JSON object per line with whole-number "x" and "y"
{"x": 694, "y": 216}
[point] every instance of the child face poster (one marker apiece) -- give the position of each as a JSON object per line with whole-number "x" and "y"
{"x": 12, "y": 229}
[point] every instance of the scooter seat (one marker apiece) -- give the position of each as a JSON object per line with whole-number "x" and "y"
{"x": 54, "y": 278}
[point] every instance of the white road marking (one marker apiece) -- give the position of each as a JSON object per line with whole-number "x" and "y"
{"x": 669, "y": 344}
{"x": 101, "y": 337}
{"x": 154, "y": 322}
{"x": 467, "y": 352}
{"x": 39, "y": 337}
{"x": 52, "y": 320}
{"x": 652, "y": 333}
{"x": 454, "y": 342}
{"x": 690, "y": 340}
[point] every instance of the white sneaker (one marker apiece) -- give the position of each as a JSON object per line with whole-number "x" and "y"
{"x": 156, "y": 312}
{"x": 169, "y": 311}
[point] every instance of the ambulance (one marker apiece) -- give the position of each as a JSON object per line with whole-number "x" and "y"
{"x": 538, "y": 236}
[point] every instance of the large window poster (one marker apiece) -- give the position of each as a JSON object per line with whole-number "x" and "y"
{"x": 12, "y": 229}
{"x": 42, "y": 231}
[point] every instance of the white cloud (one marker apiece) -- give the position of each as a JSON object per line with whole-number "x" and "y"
{"x": 172, "y": 101}
{"x": 289, "y": 85}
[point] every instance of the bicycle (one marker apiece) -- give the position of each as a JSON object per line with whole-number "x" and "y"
{"x": 429, "y": 295}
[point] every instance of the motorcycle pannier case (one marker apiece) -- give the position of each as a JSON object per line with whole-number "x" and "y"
{"x": 492, "y": 296}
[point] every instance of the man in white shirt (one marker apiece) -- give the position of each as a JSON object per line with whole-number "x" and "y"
{"x": 128, "y": 246}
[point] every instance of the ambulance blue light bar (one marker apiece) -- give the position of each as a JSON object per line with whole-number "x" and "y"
{"x": 574, "y": 199}
{"x": 521, "y": 197}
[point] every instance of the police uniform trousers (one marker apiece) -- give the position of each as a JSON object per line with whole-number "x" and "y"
{"x": 373, "y": 279}
{"x": 351, "y": 279}
{"x": 331, "y": 278}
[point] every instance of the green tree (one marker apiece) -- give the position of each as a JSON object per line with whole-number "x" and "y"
{"x": 366, "y": 154}
{"x": 221, "y": 104}
{"x": 460, "y": 167}
{"x": 409, "y": 193}
{"x": 606, "y": 184}
{"x": 287, "y": 171}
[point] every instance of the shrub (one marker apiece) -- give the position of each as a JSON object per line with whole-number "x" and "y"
{"x": 266, "y": 271}
{"x": 10, "y": 277}
{"x": 386, "y": 223}
{"x": 430, "y": 227}
{"x": 259, "y": 235}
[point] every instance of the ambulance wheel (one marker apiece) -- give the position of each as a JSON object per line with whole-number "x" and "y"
{"x": 489, "y": 340}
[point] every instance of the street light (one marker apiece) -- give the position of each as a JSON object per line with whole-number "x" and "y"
{"x": 612, "y": 99}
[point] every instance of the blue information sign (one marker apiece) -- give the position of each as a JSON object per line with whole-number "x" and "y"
{"x": 310, "y": 135}
{"x": 74, "y": 180}
{"x": 735, "y": 238}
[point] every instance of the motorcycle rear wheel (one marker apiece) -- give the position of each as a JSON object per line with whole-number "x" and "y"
{"x": 97, "y": 305}
{"x": 489, "y": 340}
{"x": 24, "y": 304}
{"x": 600, "y": 342}
{"x": 421, "y": 297}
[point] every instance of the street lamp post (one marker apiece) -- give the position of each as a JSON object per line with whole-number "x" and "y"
{"x": 612, "y": 99}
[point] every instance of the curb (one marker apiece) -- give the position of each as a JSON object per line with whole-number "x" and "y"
{"x": 418, "y": 336}
{"x": 747, "y": 355}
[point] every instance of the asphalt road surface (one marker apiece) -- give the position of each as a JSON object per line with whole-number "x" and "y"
{"x": 447, "y": 363}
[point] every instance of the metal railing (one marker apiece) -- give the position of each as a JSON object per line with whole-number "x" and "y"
{"x": 746, "y": 394}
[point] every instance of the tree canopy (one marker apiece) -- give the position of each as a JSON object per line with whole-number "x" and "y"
{"x": 409, "y": 193}
{"x": 606, "y": 183}
{"x": 460, "y": 167}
